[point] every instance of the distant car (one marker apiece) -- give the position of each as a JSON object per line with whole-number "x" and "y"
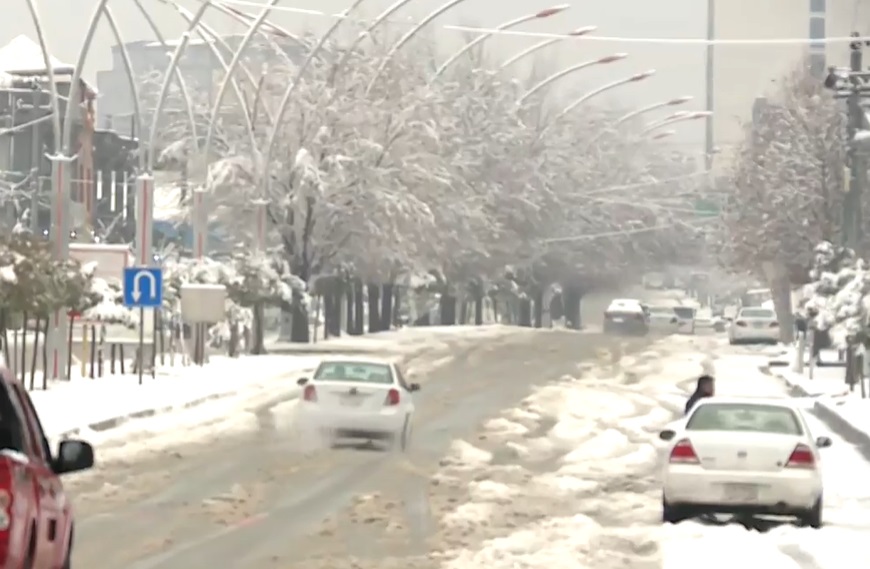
{"x": 359, "y": 398}
{"x": 36, "y": 518}
{"x": 685, "y": 319}
{"x": 654, "y": 281}
{"x": 743, "y": 456}
{"x": 663, "y": 319}
{"x": 754, "y": 325}
{"x": 627, "y": 316}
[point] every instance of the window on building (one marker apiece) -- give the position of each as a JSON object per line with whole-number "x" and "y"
{"x": 817, "y": 31}
{"x": 818, "y": 6}
{"x": 817, "y": 65}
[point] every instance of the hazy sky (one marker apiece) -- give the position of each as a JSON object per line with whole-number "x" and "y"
{"x": 680, "y": 69}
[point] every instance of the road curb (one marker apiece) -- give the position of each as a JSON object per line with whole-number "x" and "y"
{"x": 794, "y": 389}
{"x": 844, "y": 428}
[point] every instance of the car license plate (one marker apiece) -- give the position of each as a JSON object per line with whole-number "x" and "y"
{"x": 618, "y": 320}
{"x": 351, "y": 401}
{"x": 741, "y": 492}
{"x": 758, "y": 324}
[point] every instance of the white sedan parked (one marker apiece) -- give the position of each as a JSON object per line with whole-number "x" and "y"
{"x": 359, "y": 398}
{"x": 754, "y": 325}
{"x": 743, "y": 456}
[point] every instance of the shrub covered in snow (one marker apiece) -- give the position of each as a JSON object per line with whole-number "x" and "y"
{"x": 32, "y": 282}
{"x": 839, "y": 300}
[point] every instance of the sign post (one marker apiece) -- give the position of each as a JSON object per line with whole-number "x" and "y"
{"x": 143, "y": 288}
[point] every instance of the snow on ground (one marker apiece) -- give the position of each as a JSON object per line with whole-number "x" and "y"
{"x": 186, "y": 404}
{"x": 569, "y": 478}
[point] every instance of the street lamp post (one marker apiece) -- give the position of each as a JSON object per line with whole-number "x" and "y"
{"x": 408, "y": 36}
{"x": 504, "y": 26}
{"x": 592, "y": 94}
{"x": 674, "y": 118}
{"x": 546, "y": 43}
{"x": 567, "y": 71}
{"x": 635, "y": 113}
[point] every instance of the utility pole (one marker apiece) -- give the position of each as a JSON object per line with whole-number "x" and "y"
{"x": 852, "y": 217}
{"x": 710, "y": 82}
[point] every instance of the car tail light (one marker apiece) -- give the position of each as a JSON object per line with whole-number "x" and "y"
{"x": 774, "y": 324}
{"x": 684, "y": 453}
{"x": 309, "y": 394}
{"x": 741, "y": 323}
{"x": 392, "y": 397}
{"x": 801, "y": 457}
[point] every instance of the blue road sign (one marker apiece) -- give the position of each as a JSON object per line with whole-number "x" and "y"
{"x": 143, "y": 287}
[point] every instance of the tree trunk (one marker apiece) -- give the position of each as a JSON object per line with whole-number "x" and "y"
{"x": 335, "y": 314}
{"x": 478, "y": 310}
{"x": 571, "y": 305}
{"x": 539, "y": 309}
{"x": 359, "y": 308}
{"x": 525, "y": 315}
{"x": 387, "y": 295}
{"x": 397, "y": 306}
{"x": 374, "y": 302}
{"x": 350, "y": 299}
{"x": 463, "y": 312}
{"x": 300, "y": 332}
{"x": 447, "y": 309}
{"x": 327, "y": 316}
{"x": 258, "y": 341}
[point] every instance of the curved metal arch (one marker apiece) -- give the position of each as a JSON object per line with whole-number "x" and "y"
{"x": 131, "y": 77}
{"x": 394, "y": 49}
{"x": 52, "y": 86}
{"x": 245, "y": 18}
{"x": 207, "y": 33}
{"x": 76, "y": 78}
{"x": 285, "y": 99}
{"x": 237, "y": 56}
{"x": 182, "y": 84}
{"x": 167, "y": 80}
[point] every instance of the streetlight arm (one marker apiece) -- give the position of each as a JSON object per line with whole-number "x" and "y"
{"x": 182, "y": 84}
{"x": 541, "y": 45}
{"x": 49, "y": 69}
{"x": 505, "y": 26}
{"x": 568, "y": 70}
{"x": 675, "y": 119}
{"x": 408, "y": 36}
{"x": 594, "y": 93}
{"x": 131, "y": 78}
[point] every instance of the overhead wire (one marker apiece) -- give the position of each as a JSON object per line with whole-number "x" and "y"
{"x": 586, "y": 38}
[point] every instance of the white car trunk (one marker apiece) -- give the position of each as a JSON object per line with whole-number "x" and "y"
{"x": 350, "y": 396}
{"x": 736, "y": 451}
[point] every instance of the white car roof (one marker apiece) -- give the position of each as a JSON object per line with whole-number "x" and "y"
{"x": 355, "y": 359}
{"x": 778, "y": 402}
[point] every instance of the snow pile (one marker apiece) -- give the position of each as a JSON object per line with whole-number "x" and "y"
{"x": 552, "y": 479}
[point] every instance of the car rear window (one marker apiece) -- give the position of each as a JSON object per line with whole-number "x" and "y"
{"x": 685, "y": 311}
{"x": 662, "y": 310}
{"x": 740, "y": 417}
{"x": 362, "y": 372}
{"x": 757, "y": 313}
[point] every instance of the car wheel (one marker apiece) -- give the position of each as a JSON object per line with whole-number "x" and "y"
{"x": 813, "y": 518}
{"x": 672, "y": 514}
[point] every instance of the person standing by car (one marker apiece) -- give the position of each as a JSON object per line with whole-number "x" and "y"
{"x": 706, "y": 387}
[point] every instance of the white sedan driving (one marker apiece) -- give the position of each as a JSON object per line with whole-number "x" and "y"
{"x": 359, "y": 398}
{"x": 743, "y": 456}
{"x": 754, "y": 325}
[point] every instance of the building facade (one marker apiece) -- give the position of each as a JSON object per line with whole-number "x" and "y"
{"x": 743, "y": 73}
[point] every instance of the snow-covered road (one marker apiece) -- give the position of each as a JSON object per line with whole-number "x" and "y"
{"x": 570, "y": 480}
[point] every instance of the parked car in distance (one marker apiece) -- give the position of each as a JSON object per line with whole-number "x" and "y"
{"x": 754, "y": 325}
{"x": 627, "y": 316}
{"x": 685, "y": 319}
{"x": 663, "y": 319}
{"x": 36, "y": 517}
